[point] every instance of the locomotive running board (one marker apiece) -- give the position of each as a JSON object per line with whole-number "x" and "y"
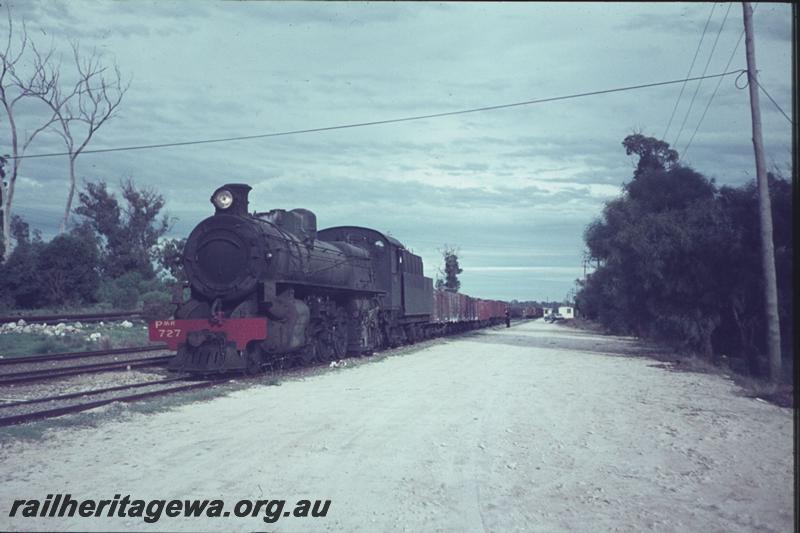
{"x": 330, "y": 287}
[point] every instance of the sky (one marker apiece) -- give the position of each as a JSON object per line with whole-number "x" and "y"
{"x": 511, "y": 189}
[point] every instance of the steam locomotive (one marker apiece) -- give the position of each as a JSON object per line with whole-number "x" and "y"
{"x": 268, "y": 286}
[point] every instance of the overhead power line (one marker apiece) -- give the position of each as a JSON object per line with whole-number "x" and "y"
{"x": 711, "y": 99}
{"x": 387, "y": 121}
{"x": 689, "y": 73}
{"x": 761, "y": 86}
{"x": 708, "y": 62}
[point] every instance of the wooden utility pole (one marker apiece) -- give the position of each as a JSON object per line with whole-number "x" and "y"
{"x": 764, "y": 205}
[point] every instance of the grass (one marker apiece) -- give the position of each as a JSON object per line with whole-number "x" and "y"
{"x": 61, "y": 310}
{"x": 586, "y": 325}
{"x": 781, "y": 394}
{"x": 113, "y": 336}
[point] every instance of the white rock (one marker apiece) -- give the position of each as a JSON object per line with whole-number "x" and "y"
{"x": 126, "y": 324}
{"x": 21, "y": 322}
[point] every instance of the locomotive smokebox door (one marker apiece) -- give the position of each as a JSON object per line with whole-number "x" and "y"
{"x": 231, "y": 199}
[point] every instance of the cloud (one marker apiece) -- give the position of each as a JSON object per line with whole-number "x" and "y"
{"x": 24, "y": 182}
{"x": 570, "y": 271}
{"x": 512, "y": 187}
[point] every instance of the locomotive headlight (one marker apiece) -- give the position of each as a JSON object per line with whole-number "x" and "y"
{"x": 223, "y": 199}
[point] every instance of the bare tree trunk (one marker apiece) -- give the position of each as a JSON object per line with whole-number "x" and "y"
{"x": 16, "y": 86}
{"x": 8, "y": 191}
{"x": 70, "y": 196}
{"x": 6, "y": 231}
{"x": 764, "y": 207}
{"x": 8, "y": 196}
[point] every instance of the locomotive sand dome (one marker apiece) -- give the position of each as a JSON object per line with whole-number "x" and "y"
{"x": 267, "y": 286}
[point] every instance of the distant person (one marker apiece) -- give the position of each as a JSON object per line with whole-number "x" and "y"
{"x": 508, "y": 318}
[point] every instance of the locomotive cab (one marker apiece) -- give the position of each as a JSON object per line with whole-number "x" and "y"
{"x": 408, "y": 294}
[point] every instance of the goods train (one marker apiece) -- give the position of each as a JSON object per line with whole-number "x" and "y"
{"x": 268, "y": 287}
{"x": 527, "y": 312}
{"x": 532, "y": 312}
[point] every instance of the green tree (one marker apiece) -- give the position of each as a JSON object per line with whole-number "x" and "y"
{"x": 743, "y": 329}
{"x": 19, "y": 283}
{"x": 68, "y": 270}
{"x": 170, "y": 258}
{"x": 448, "y": 275}
{"x": 129, "y": 233}
{"x": 657, "y": 269}
{"x": 61, "y": 272}
{"x": 677, "y": 259}
{"x": 653, "y": 153}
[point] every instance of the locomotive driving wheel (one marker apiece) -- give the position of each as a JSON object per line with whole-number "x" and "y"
{"x": 329, "y": 338}
{"x": 338, "y": 333}
{"x": 309, "y": 354}
{"x": 252, "y": 355}
{"x": 315, "y": 349}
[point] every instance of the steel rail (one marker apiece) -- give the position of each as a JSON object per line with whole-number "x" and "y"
{"x": 91, "y": 392}
{"x": 59, "y": 411}
{"x": 57, "y": 372}
{"x": 22, "y": 359}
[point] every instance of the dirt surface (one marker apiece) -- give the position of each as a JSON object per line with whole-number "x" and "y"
{"x": 533, "y": 428}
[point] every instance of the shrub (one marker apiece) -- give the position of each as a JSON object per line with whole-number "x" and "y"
{"x": 67, "y": 270}
{"x": 157, "y": 305}
{"x": 121, "y": 293}
{"x": 132, "y": 290}
{"x": 19, "y": 281}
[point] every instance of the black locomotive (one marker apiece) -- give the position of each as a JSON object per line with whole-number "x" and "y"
{"x": 269, "y": 286}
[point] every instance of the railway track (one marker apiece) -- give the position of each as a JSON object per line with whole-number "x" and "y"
{"x": 54, "y": 406}
{"x": 29, "y": 376}
{"x": 84, "y": 317}
{"x": 19, "y": 360}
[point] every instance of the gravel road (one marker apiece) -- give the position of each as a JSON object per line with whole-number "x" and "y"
{"x": 533, "y": 428}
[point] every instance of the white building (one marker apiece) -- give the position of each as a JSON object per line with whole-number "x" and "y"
{"x": 566, "y": 312}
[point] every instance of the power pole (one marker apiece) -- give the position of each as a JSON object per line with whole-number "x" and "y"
{"x": 764, "y": 206}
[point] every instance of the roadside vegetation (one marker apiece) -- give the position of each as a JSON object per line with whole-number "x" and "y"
{"x": 112, "y": 258}
{"x": 109, "y": 253}
{"x": 31, "y": 339}
{"x": 677, "y": 261}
